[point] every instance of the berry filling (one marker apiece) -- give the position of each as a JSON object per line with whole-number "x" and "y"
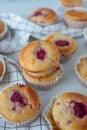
{"x": 79, "y": 109}
{"x": 62, "y": 43}
{"x": 18, "y": 98}
{"x": 39, "y": 13}
{"x": 41, "y": 54}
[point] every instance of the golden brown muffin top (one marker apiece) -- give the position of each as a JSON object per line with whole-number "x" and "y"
{"x": 19, "y": 103}
{"x": 39, "y": 56}
{"x": 71, "y": 2}
{"x": 82, "y": 68}
{"x": 65, "y": 43}
{"x": 2, "y": 27}
{"x": 69, "y": 111}
{"x": 77, "y": 15}
{"x": 43, "y": 16}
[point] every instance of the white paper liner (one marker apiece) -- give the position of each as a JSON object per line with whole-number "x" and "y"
{"x": 64, "y": 58}
{"x": 85, "y": 35}
{"x": 48, "y": 116}
{"x": 83, "y": 82}
{"x": 74, "y": 23}
{"x": 45, "y": 85}
{"x": 23, "y": 123}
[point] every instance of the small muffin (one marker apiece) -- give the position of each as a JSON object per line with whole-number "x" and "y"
{"x": 71, "y": 3}
{"x": 19, "y": 104}
{"x": 44, "y": 82}
{"x": 76, "y": 17}
{"x": 43, "y": 16}
{"x": 39, "y": 60}
{"x": 65, "y": 43}
{"x": 81, "y": 70}
{"x": 3, "y": 29}
{"x": 67, "y": 111}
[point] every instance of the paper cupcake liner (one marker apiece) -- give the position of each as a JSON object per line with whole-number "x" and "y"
{"x": 48, "y": 115}
{"x": 76, "y": 24}
{"x": 65, "y": 58}
{"x": 63, "y": 8}
{"x": 73, "y": 23}
{"x": 82, "y": 81}
{"x": 23, "y": 123}
{"x": 85, "y": 35}
{"x": 44, "y": 85}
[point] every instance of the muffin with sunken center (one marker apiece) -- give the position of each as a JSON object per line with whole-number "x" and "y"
{"x": 65, "y": 43}
{"x": 39, "y": 59}
{"x": 19, "y": 104}
{"x": 76, "y": 17}
{"x": 43, "y": 16}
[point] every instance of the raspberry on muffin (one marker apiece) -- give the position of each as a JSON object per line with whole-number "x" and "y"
{"x": 19, "y": 104}
{"x": 65, "y": 43}
{"x": 67, "y": 111}
{"x": 70, "y": 111}
{"x": 40, "y": 60}
{"x": 43, "y": 16}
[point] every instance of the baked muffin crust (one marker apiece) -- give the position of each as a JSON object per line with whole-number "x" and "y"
{"x": 70, "y": 111}
{"x": 39, "y": 56}
{"x": 43, "y": 16}
{"x": 19, "y": 103}
{"x": 77, "y": 15}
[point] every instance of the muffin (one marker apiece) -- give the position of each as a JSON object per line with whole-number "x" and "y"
{"x": 43, "y": 16}
{"x": 81, "y": 70}
{"x": 39, "y": 59}
{"x": 71, "y": 3}
{"x": 3, "y": 29}
{"x": 44, "y": 82}
{"x": 67, "y": 112}
{"x": 19, "y": 104}
{"x": 2, "y": 68}
{"x": 65, "y": 43}
{"x": 76, "y": 17}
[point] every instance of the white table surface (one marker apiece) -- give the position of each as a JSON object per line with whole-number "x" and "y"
{"x": 69, "y": 81}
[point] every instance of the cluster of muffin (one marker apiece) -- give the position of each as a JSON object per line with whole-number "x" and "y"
{"x": 74, "y": 16}
{"x": 40, "y": 61}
